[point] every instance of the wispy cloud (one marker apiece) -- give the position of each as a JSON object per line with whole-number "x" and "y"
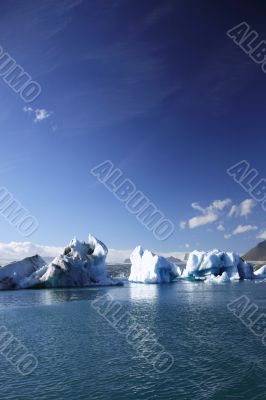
{"x": 217, "y": 211}
{"x": 241, "y": 229}
{"x": 243, "y": 209}
{"x": 45, "y": 11}
{"x": 244, "y": 228}
{"x": 182, "y": 224}
{"x": 210, "y": 214}
{"x": 262, "y": 235}
{"x": 221, "y": 204}
{"x": 39, "y": 114}
{"x": 208, "y": 218}
{"x": 158, "y": 13}
{"x": 222, "y": 78}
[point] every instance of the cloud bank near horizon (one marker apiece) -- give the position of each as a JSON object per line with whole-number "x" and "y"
{"x": 14, "y": 251}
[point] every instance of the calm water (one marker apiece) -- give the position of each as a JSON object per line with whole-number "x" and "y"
{"x": 82, "y": 357}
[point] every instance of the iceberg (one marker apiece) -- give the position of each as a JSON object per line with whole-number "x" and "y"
{"x": 214, "y": 266}
{"x": 13, "y": 274}
{"x": 147, "y": 267}
{"x": 261, "y": 272}
{"x": 81, "y": 264}
{"x": 218, "y": 279}
{"x": 215, "y": 263}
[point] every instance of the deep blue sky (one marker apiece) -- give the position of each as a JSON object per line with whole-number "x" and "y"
{"x": 155, "y": 86}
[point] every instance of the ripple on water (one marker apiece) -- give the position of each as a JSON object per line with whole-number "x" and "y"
{"x": 82, "y": 357}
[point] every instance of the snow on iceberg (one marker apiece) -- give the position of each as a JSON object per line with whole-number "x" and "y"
{"x": 218, "y": 279}
{"x": 82, "y": 264}
{"x": 214, "y": 263}
{"x": 261, "y": 272}
{"x": 150, "y": 268}
{"x": 13, "y": 274}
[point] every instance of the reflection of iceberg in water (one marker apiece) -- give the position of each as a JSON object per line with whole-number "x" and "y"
{"x": 81, "y": 265}
{"x": 63, "y": 295}
{"x": 143, "y": 292}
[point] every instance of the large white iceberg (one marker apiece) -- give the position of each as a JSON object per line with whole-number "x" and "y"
{"x": 82, "y": 264}
{"x": 216, "y": 263}
{"x": 147, "y": 267}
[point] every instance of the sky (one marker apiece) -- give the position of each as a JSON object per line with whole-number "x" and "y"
{"x": 156, "y": 87}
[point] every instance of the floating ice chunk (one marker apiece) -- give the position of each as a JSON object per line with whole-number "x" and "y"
{"x": 14, "y": 273}
{"x": 261, "y": 272}
{"x": 215, "y": 262}
{"x": 81, "y": 265}
{"x": 150, "y": 268}
{"x": 245, "y": 270}
{"x": 218, "y": 279}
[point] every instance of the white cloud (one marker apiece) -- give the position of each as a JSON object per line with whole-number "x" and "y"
{"x": 218, "y": 209}
{"x": 262, "y": 235}
{"x": 187, "y": 246}
{"x": 244, "y": 228}
{"x": 227, "y": 236}
{"x": 119, "y": 256}
{"x": 241, "y": 229}
{"x": 17, "y": 250}
{"x": 14, "y": 251}
{"x": 182, "y": 224}
{"x": 178, "y": 254}
{"x": 28, "y": 109}
{"x": 202, "y": 220}
{"x": 196, "y": 206}
{"x": 40, "y": 114}
{"x": 210, "y": 213}
{"x": 243, "y": 209}
{"x": 221, "y": 204}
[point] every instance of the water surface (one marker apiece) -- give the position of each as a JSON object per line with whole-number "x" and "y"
{"x": 82, "y": 357}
